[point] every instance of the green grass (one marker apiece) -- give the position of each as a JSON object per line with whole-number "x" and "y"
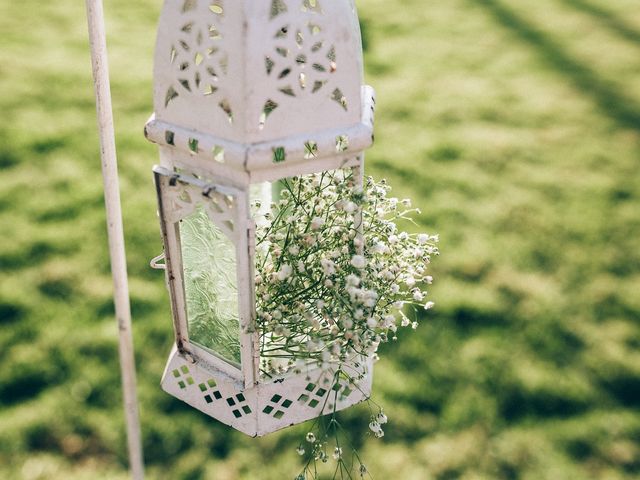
{"x": 515, "y": 125}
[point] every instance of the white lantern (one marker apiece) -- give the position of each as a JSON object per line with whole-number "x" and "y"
{"x": 248, "y": 92}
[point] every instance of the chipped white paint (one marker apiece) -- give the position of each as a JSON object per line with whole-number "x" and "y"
{"x": 248, "y": 91}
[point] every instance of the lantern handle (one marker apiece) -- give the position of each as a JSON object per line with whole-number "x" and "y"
{"x": 100, "y": 67}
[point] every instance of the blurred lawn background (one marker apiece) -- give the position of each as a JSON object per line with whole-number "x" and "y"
{"x": 514, "y": 125}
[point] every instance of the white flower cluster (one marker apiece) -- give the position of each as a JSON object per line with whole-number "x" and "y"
{"x": 334, "y": 272}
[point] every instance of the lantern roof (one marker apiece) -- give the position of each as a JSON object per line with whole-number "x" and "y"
{"x": 256, "y": 89}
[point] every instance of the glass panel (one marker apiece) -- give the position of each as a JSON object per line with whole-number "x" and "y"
{"x": 211, "y": 288}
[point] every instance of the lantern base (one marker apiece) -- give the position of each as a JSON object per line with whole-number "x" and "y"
{"x": 269, "y": 406}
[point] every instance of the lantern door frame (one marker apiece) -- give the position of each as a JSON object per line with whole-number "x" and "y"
{"x": 237, "y": 226}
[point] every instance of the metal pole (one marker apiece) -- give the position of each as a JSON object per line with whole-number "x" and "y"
{"x": 98, "y": 42}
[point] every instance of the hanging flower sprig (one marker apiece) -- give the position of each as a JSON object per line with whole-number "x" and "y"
{"x": 335, "y": 278}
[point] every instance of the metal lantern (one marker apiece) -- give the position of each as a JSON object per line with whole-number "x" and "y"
{"x": 247, "y": 92}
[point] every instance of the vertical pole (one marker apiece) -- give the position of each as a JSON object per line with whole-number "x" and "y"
{"x": 98, "y": 42}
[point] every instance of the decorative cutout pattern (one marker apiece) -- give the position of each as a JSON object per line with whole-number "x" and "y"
{"x": 261, "y": 410}
{"x": 269, "y": 107}
{"x": 342, "y": 143}
{"x": 210, "y": 390}
{"x": 312, "y": 395}
{"x": 277, "y": 7}
{"x": 342, "y": 390}
{"x": 277, "y": 406}
{"x": 193, "y": 145}
{"x": 239, "y": 406}
{"x": 302, "y": 60}
{"x": 338, "y": 96}
{"x": 311, "y": 6}
{"x": 310, "y": 149}
{"x": 181, "y": 203}
{"x": 183, "y": 377}
{"x": 197, "y": 56}
{"x": 220, "y": 208}
{"x": 279, "y": 155}
{"x": 293, "y": 64}
{"x": 218, "y": 154}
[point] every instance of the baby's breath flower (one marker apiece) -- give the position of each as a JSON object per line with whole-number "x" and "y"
{"x": 310, "y": 240}
{"x": 350, "y": 207}
{"x": 380, "y": 248}
{"x": 311, "y": 438}
{"x": 381, "y": 418}
{"x": 358, "y": 261}
{"x": 284, "y": 272}
{"x": 328, "y": 266}
{"x": 353, "y": 280}
{"x": 317, "y": 223}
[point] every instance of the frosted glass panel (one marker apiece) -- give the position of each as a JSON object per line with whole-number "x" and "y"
{"x": 211, "y": 288}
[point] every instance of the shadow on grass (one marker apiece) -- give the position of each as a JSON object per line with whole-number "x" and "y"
{"x": 613, "y": 22}
{"x": 611, "y": 101}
